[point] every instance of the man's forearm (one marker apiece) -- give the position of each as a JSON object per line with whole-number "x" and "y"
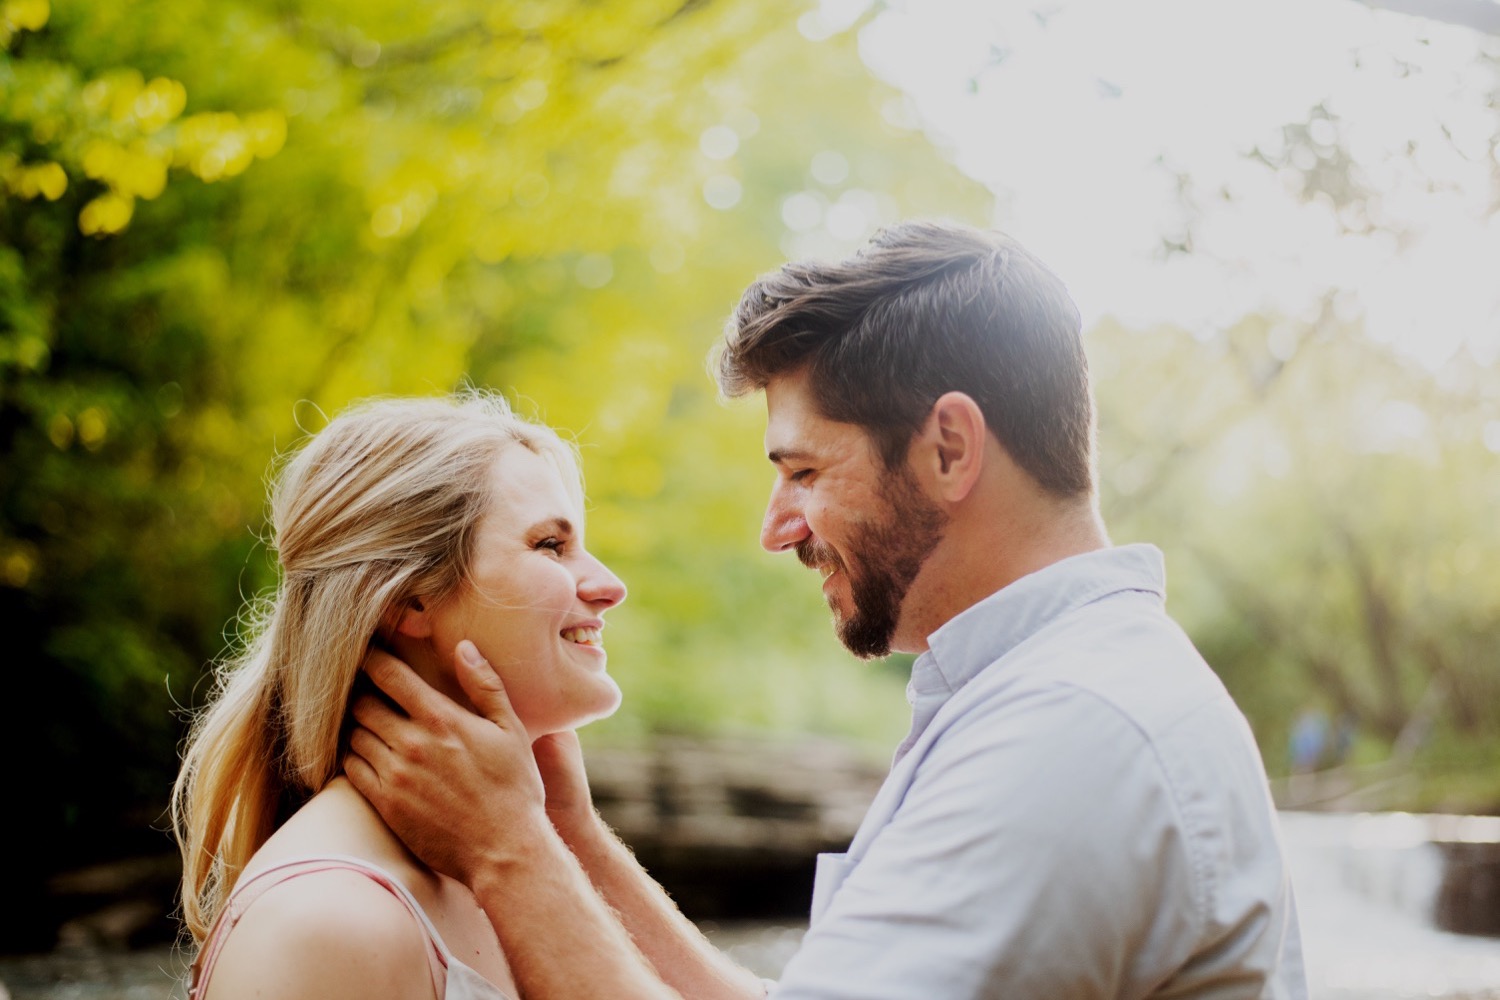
{"x": 674, "y": 946}
{"x": 559, "y": 937}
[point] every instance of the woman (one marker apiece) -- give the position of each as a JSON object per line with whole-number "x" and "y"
{"x": 416, "y": 524}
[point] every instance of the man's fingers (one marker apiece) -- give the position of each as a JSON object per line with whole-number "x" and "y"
{"x": 374, "y": 715}
{"x": 367, "y": 755}
{"x": 377, "y": 768}
{"x": 367, "y": 745}
{"x": 483, "y": 686}
{"x": 564, "y": 742}
{"x": 556, "y": 752}
{"x": 364, "y": 778}
{"x": 401, "y": 684}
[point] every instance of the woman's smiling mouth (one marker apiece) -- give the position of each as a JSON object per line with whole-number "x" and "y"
{"x": 584, "y": 636}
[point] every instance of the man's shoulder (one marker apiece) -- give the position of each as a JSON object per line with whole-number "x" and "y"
{"x": 1123, "y": 652}
{"x": 1112, "y": 680}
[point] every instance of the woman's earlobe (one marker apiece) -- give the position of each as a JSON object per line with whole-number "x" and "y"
{"x": 414, "y": 620}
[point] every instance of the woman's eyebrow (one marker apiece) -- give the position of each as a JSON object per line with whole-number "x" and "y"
{"x": 551, "y": 526}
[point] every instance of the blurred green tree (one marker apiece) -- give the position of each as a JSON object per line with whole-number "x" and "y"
{"x": 1327, "y": 508}
{"x": 220, "y": 221}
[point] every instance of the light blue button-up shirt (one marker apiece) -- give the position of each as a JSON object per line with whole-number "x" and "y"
{"x": 1079, "y": 811}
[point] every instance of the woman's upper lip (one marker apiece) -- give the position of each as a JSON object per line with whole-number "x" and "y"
{"x": 597, "y": 623}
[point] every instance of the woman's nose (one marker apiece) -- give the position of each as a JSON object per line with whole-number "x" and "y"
{"x": 600, "y": 586}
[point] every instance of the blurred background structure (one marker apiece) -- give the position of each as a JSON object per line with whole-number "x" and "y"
{"x": 221, "y": 221}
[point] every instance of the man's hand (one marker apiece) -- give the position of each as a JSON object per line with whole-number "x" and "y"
{"x": 462, "y": 790}
{"x": 570, "y": 805}
{"x": 466, "y": 794}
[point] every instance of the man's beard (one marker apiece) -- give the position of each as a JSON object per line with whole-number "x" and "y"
{"x": 890, "y": 551}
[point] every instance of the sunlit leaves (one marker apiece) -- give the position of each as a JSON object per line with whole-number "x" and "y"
{"x": 125, "y": 98}
{"x": 22, "y": 15}
{"x": 133, "y": 171}
{"x": 222, "y": 145}
{"x": 122, "y": 132}
{"x": 105, "y": 215}
{"x": 32, "y": 180}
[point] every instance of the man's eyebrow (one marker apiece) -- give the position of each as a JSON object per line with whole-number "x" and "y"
{"x": 782, "y": 456}
{"x": 551, "y": 526}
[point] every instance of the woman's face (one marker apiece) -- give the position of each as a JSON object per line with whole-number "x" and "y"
{"x": 534, "y": 602}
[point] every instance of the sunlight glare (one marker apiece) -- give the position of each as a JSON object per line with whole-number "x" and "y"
{"x": 1119, "y": 139}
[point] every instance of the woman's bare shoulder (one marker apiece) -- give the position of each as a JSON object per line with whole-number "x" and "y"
{"x": 329, "y": 935}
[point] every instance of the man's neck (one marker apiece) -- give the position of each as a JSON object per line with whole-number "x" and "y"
{"x": 982, "y": 555}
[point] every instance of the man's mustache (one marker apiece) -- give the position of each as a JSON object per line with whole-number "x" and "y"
{"x": 815, "y": 555}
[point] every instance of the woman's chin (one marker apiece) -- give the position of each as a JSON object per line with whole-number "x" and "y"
{"x": 604, "y": 703}
{"x": 608, "y": 704}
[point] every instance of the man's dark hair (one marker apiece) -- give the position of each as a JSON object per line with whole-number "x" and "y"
{"x": 923, "y": 309}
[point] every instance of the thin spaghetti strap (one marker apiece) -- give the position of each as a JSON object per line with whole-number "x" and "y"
{"x": 248, "y": 891}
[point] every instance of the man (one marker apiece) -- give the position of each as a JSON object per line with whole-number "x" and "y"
{"x": 1079, "y": 809}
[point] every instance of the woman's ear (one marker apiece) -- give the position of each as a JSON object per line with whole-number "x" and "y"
{"x": 413, "y": 619}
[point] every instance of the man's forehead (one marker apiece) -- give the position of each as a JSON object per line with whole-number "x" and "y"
{"x": 788, "y": 393}
{"x": 791, "y": 420}
{"x": 797, "y": 432}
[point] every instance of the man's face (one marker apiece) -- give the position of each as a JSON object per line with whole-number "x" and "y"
{"x": 867, "y": 529}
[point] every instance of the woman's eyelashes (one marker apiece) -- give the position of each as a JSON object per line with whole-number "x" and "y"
{"x": 552, "y": 544}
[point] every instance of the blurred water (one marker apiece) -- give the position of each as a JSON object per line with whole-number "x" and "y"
{"x": 150, "y": 974}
{"x": 1365, "y": 886}
{"x": 762, "y": 946}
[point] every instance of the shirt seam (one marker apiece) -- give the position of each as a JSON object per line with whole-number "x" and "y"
{"x": 1198, "y": 864}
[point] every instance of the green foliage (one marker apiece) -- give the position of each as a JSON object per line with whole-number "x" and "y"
{"x": 221, "y": 220}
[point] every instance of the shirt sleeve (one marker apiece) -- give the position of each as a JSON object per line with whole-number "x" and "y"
{"x": 1037, "y": 853}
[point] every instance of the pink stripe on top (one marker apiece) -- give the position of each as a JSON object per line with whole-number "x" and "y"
{"x": 451, "y": 979}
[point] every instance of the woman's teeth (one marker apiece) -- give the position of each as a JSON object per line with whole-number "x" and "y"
{"x": 583, "y": 636}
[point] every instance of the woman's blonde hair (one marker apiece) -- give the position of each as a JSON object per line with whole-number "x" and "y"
{"x": 379, "y": 507}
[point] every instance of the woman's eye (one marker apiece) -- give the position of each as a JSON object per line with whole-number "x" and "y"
{"x": 552, "y": 544}
{"x": 801, "y": 475}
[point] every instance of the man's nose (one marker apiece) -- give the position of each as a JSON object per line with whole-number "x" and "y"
{"x": 784, "y": 525}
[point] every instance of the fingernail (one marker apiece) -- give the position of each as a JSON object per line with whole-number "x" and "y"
{"x": 470, "y": 653}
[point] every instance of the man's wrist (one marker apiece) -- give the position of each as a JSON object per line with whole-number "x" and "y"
{"x": 580, "y": 829}
{"x": 594, "y": 843}
{"x": 530, "y": 842}
{"x": 535, "y": 881}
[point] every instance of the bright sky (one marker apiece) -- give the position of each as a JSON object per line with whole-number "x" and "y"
{"x": 1068, "y": 110}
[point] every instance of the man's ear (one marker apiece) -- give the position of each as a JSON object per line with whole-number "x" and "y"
{"x": 413, "y": 619}
{"x": 955, "y": 435}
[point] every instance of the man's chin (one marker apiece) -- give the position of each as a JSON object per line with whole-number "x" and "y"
{"x": 861, "y": 638}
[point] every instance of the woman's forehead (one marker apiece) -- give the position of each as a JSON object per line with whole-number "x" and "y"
{"x": 527, "y": 486}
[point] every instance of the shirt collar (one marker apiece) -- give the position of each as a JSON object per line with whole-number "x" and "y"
{"x": 986, "y": 631}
